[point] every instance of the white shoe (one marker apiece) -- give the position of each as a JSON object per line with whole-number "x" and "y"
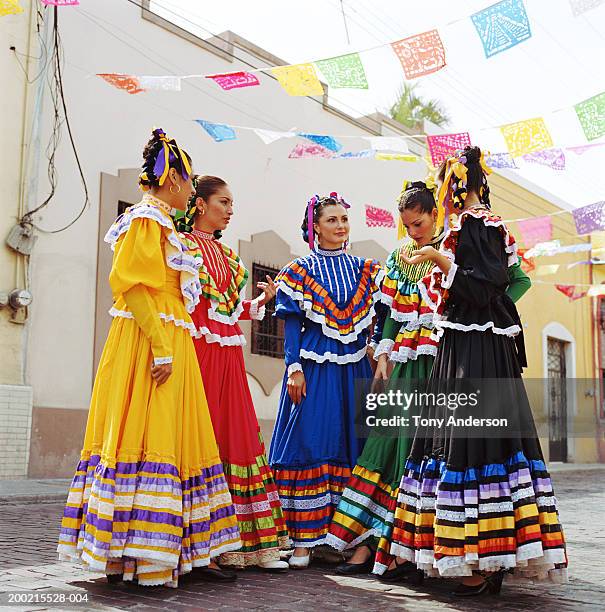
{"x": 300, "y": 562}
{"x": 274, "y": 566}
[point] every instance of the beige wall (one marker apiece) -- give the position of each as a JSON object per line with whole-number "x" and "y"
{"x": 547, "y": 312}
{"x": 14, "y": 31}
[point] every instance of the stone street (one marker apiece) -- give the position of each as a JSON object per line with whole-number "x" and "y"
{"x": 28, "y": 534}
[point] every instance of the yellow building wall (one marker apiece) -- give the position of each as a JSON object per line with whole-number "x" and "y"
{"x": 543, "y": 307}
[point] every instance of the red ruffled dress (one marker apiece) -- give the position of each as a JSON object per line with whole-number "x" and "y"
{"x": 218, "y": 344}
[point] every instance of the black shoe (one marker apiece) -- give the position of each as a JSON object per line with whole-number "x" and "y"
{"x": 211, "y": 574}
{"x": 399, "y": 572}
{"x": 352, "y": 569}
{"x": 115, "y": 578}
{"x": 492, "y": 584}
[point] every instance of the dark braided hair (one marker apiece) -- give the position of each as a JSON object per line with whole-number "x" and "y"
{"x": 417, "y": 195}
{"x": 205, "y": 186}
{"x": 155, "y": 148}
{"x": 318, "y": 208}
{"x": 476, "y": 180}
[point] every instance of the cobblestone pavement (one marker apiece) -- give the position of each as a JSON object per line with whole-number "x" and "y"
{"x": 28, "y": 534}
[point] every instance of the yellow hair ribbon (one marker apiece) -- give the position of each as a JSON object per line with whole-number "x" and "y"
{"x": 401, "y": 231}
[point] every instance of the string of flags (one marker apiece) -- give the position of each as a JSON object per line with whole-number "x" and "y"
{"x": 395, "y": 148}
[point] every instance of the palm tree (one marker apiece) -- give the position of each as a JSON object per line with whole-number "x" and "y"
{"x": 411, "y": 109}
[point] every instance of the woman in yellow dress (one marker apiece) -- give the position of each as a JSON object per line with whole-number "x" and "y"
{"x": 149, "y": 500}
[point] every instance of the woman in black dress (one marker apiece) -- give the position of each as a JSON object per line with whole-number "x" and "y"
{"x": 476, "y": 501}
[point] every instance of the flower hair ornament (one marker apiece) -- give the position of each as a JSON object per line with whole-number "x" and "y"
{"x": 312, "y": 205}
{"x": 169, "y": 152}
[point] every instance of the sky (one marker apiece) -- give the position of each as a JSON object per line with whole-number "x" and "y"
{"x": 559, "y": 66}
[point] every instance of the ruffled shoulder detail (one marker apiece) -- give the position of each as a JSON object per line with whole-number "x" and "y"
{"x": 400, "y": 291}
{"x": 226, "y": 306}
{"x": 432, "y": 286}
{"x": 178, "y": 255}
{"x": 345, "y": 325}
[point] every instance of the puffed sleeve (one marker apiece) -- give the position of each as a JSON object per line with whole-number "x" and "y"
{"x": 480, "y": 271}
{"x": 252, "y": 310}
{"x": 139, "y": 264}
{"x": 519, "y": 283}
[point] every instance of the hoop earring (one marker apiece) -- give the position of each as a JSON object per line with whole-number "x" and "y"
{"x": 177, "y": 191}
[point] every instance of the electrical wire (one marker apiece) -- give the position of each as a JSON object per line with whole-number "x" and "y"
{"x": 58, "y": 95}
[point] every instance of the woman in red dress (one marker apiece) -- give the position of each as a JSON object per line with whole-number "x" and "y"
{"x": 218, "y": 344}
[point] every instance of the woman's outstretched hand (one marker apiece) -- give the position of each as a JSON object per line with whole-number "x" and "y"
{"x": 269, "y": 290}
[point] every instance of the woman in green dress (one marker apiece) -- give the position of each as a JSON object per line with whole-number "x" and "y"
{"x": 365, "y": 513}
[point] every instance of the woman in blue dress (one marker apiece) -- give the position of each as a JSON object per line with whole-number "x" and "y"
{"x": 327, "y": 301}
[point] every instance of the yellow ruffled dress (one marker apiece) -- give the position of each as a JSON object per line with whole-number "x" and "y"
{"x": 149, "y": 499}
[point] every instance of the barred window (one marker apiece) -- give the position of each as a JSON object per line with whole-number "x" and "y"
{"x": 268, "y": 334}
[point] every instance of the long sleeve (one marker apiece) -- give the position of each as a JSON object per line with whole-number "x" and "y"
{"x": 381, "y": 315}
{"x": 139, "y": 265}
{"x": 292, "y": 337}
{"x": 519, "y": 283}
{"x": 143, "y": 308}
{"x": 481, "y": 268}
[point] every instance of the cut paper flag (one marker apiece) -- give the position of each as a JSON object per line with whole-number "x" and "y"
{"x": 583, "y": 247}
{"x": 581, "y": 6}
{"x": 547, "y": 270}
{"x": 502, "y": 26}
{"x": 526, "y": 136}
{"x": 363, "y": 154}
{"x": 299, "y": 80}
{"x": 570, "y": 292}
{"x": 388, "y": 143}
{"x": 396, "y": 157}
{"x": 378, "y": 217}
{"x": 527, "y": 263}
{"x": 591, "y": 114}
{"x": 420, "y": 54}
{"x": 589, "y": 218}
{"x": 345, "y": 71}
{"x": 501, "y": 160}
{"x": 234, "y": 80}
{"x": 269, "y": 136}
{"x": 10, "y": 7}
{"x": 302, "y": 151}
{"x": 61, "y": 2}
{"x": 443, "y": 145}
{"x": 218, "y": 131}
{"x": 325, "y": 141}
{"x": 160, "y": 83}
{"x": 130, "y": 84}
{"x": 596, "y": 290}
{"x": 543, "y": 248}
{"x": 553, "y": 158}
{"x": 534, "y": 231}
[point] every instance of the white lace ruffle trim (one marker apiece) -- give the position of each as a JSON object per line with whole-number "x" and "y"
{"x": 405, "y": 353}
{"x": 294, "y": 367}
{"x": 333, "y": 358}
{"x": 384, "y": 348}
{"x": 320, "y": 319}
{"x": 513, "y": 330}
{"x": 256, "y": 313}
{"x": 177, "y": 257}
{"x": 211, "y": 338}
{"x": 167, "y": 318}
{"x": 162, "y": 360}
